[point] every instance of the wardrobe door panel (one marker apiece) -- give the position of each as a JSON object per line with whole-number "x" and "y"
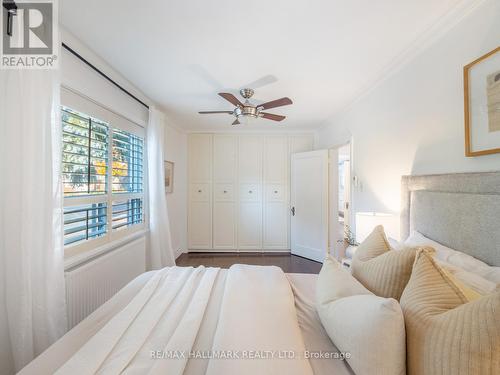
{"x": 250, "y": 169}
{"x": 200, "y": 157}
{"x": 250, "y": 159}
{"x": 200, "y": 226}
{"x": 250, "y": 193}
{"x": 250, "y": 226}
{"x": 224, "y": 161}
{"x": 276, "y": 193}
{"x": 223, "y": 192}
{"x": 224, "y": 226}
{"x": 275, "y": 159}
{"x": 224, "y": 180}
{"x": 276, "y": 226}
{"x": 200, "y": 191}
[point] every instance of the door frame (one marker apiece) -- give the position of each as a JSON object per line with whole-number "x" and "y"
{"x": 334, "y": 197}
{"x": 350, "y": 142}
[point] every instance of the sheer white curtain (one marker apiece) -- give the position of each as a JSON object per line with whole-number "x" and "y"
{"x": 160, "y": 253}
{"x": 31, "y": 247}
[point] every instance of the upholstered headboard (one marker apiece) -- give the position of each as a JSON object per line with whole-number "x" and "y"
{"x": 461, "y": 211}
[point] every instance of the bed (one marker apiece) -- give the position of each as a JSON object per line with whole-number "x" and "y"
{"x": 309, "y": 334}
{"x": 261, "y": 311}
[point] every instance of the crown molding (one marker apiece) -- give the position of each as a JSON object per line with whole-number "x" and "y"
{"x": 424, "y": 41}
{"x": 258, "y": 131}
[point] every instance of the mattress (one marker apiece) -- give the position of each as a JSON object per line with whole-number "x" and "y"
{"x": 316, "y": 341}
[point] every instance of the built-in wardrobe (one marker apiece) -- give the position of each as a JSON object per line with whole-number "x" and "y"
{"x": 239, "y": 191}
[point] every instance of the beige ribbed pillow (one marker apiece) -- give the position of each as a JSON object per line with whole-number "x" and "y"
{"x": 449, "y": 329}
{"x": 380, "y": 269}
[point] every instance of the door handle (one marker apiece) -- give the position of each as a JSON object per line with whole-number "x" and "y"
{"x": 293, "y": 211}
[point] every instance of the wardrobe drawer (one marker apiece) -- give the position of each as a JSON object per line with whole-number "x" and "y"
{"x": 275, "y": 193}
{"x": 223, "y": 192}
{"x": 200, "y": 192}
{"x": 250, "y": 192}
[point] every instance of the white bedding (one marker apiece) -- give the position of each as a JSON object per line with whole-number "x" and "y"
{"x": 245, "y": 308}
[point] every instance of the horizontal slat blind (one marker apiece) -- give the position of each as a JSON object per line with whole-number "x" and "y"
{"x": 85, "y": 154}
{"x": 84, "y": 222}
{"x": 127, "y": 213}
{"x": 127, "y": 162}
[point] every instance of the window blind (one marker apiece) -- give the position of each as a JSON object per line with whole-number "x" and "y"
{"x": 126, "y": 213}
{"x": 85, "y": 154}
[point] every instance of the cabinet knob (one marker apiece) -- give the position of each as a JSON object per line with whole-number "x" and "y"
{"x": 225, "y": 191}
{"x": 250, "y": 191}
{"x": 276, "y": 192}
{"x": 199, "y": 191}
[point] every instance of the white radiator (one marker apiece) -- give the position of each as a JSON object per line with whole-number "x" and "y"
{"x": 90, "y": 285}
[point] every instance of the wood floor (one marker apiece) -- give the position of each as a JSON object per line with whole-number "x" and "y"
{"x": 288, "y": 263}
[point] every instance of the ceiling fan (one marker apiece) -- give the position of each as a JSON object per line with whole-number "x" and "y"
{"x": 245, "y": 111}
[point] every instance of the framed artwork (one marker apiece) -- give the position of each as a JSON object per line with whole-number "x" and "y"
{"x": 482, "y": 105}
{"x": 169, "y": 176}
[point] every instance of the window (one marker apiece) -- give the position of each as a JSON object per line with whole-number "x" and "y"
{"x": 85, "y": 154}
{"x": 127, "y": 213}
{"x": 127, "y": 162}
{"x": 102, "y": 200}
{"x": 84, "y": 222}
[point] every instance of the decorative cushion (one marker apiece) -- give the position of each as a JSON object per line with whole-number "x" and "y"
{"x": 449, "y": 329}
{"x": 369, "y": 328}
{"x": 381, "y": 269}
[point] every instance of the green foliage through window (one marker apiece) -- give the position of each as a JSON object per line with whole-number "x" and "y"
{"x": 85, "y": 154}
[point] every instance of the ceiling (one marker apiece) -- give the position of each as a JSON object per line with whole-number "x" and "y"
{"x": 320, "y": 53}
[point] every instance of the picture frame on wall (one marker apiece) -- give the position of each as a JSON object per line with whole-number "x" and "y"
{"x": 482, "y": 105}
{"x": 169, "y": 176}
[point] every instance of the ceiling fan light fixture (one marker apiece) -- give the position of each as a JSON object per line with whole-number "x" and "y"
{"x": 246, "y": 119}
{"x": 247, "y": 112}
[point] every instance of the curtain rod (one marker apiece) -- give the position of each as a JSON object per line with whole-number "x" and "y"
{"x": 73, "y": 52}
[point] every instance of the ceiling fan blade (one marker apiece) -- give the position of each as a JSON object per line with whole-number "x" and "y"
{"x": 276, "y": 103}
{"x": 264, "y": 81}
{"x": 236, "y": 122}
{"x": 210, "y": 112}
{"x": 270, "y": 116}
{"x": 231, "y": 99}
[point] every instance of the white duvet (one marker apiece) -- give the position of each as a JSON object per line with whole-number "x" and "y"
{"x": 200, "y": 320}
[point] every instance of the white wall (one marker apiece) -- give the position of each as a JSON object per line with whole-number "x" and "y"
{"x": 83, "y": 79}
{"x": 176, "y": 151}
{"x": 412, "y": 123}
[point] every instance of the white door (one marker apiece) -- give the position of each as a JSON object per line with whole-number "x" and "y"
{"x": 309, "y": 204}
